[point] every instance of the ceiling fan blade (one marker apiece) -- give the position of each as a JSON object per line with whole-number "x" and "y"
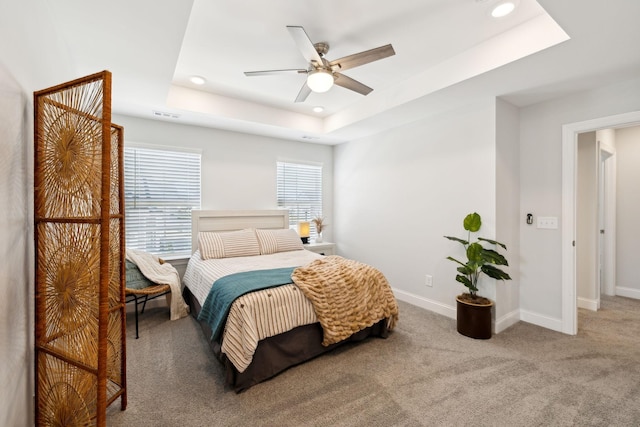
{"x": 362, "y": 58}
{"x": 272, "y": 72}
{"x": 304, "y": 92}
{"x": 304, "y": 44}
{"x": 351, "y": 84}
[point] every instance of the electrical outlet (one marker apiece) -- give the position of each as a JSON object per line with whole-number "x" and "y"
{"x": 428, "y": 280}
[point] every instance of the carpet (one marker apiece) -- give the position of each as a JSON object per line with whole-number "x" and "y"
{"x": 424, "y": 374}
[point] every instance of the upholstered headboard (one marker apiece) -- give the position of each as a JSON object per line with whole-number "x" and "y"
{"x": 235, "y": 220}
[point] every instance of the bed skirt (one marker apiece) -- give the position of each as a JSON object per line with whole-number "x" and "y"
{"x": 280, "y": 352}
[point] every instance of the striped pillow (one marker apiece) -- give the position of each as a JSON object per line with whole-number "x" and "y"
{"x": 229, "y": 244}
{"x": 281, "y": 240}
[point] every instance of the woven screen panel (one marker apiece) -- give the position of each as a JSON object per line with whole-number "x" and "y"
{"x": 70, "y": 152}
{"x": 71, "y": 393}
{"x": 116, "y": 175}
{"x": 115, "y": 263}
{"x": 114, "y": 355}
{"x": 69, "y": 255}
{"x": 80, "y": 305}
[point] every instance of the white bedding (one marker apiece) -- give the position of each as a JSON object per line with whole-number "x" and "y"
{"x": 251, "y": 317}
{"x": 200, "y": 274}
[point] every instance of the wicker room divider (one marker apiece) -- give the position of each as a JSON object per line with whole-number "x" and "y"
{"x": 80, "y": 349}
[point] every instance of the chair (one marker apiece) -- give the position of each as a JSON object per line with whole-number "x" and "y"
{"x": 145, "y": 294}
{"x": 139, "y": 289}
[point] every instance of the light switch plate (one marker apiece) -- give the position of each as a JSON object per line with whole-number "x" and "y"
{"x": 550, "y": 222}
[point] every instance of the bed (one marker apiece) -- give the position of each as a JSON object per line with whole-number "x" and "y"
{"x": 271, "y": 316}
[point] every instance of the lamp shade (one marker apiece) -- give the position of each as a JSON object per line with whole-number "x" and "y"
{"x": 303, "y": 228}
{"x": 320, "y": 80}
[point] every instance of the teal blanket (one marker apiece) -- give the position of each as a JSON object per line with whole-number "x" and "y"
{"x": 226, "y": 289}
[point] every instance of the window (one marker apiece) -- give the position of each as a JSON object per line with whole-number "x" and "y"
{"x": 161, "y": 187}
{"x": 299, "y": 189}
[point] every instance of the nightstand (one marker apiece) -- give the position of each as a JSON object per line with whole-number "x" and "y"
{"x": 324, "y": 248}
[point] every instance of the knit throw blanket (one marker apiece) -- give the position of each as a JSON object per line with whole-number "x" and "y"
{"x": 162, "y": 273}
{"x": 347, "y": 296}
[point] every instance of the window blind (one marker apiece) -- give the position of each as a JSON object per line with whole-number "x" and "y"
{"x": 161, "y": 188}
{"x": 299, "y": 189}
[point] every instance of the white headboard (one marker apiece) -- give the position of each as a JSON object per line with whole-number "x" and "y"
{"x": 235, "y": 220}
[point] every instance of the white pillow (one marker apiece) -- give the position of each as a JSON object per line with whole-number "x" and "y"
{"x": 228, "y": 244}
{"x": 280, "y": 240}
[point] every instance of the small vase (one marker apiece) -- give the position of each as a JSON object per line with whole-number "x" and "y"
{"x": 319, "y": 238}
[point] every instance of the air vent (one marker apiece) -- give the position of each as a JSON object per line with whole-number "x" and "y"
{"x": 310, "y": 138}
{"x": 166, "y": 115}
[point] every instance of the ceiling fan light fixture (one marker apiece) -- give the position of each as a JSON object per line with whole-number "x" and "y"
{"x": 320, "y": 80}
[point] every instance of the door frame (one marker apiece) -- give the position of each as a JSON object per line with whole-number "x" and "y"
{"x": 570, "y": 133}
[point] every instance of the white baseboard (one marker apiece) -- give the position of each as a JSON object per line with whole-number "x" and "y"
{"x": 540, "y": 320}
{"x": 507, "y": 320}
{"x": 450, "y": 310}
{"x": 589, "y": 304}
{"x": 427, "y": 304}
{"x": 628, "y": 292}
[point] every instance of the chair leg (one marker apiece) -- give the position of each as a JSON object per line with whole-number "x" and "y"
{"x": 135, "y": 302}
{"x": 144, "y": 304}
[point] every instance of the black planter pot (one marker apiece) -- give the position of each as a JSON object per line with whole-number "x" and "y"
{"x": 474, "y": 320}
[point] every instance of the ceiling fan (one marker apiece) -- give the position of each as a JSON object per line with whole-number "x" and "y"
{"x": 322, "y": 73}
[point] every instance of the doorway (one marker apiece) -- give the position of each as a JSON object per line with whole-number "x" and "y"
{"x": 606, "y": 220}
{"x": 595, "y": 216}
{"x": 570, "y": 134}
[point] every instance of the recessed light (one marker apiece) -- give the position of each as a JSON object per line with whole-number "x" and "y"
{"x": 318, "y": 109}
{"x": 197, "y": 80}
{"x": 503, "y": 8}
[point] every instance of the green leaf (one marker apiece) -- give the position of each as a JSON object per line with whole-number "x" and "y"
{"x": 493, "y": 242}
{"x": 492, "y": 257}
{"x": 474, "y": 253}
{"x": 465, "y": 281}
{"x": 472, "y": 222}
{"x": 455, "y": 239}
{"x": 495, "y": 272}
{"x": 455, "y": 260}
{"x": 466, "y": 269}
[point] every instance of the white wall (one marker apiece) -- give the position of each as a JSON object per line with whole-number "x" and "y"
{"x": 541, "y": 190}
{"x": 28, "y": 63}
{"x": 36, "y": 62}
{"x": 398, "y": 193}
{"x": 508, "y": 219}
{"x": 628, "y": 211}
{"x": 16, "y": 253}
{"x": 238, "y": 170}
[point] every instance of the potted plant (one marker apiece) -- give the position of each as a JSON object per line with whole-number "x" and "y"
{"x": 319, "y": 223}
{"x": 474, "y": 311}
